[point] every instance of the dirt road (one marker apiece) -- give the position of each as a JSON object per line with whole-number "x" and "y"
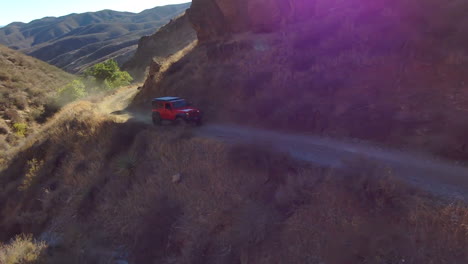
{"x": 440, "y": 177}
{"x": 437, "y": 176}
{"x": 116, "y": 103}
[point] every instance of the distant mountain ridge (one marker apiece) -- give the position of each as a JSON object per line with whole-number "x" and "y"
{"x": 75, "y": 41}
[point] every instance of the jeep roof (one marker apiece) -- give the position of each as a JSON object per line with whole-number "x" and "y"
{"x": 167, "y": 99}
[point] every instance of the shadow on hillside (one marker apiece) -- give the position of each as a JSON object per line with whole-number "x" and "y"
{"x": 69, "y": 151}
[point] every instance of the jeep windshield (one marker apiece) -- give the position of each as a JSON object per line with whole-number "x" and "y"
{"x": 179, "y": 104}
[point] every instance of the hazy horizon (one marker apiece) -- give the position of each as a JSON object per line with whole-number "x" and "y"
{"x": 26, "y": 11}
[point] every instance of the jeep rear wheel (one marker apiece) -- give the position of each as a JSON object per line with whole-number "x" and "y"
{"x": 156, "y": 119}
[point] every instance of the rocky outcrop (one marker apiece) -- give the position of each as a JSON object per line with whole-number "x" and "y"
{"x": 154, "y": 68}
{"x": 371, "y": 70}
{"x": 166, "y": 41}
{"x": 227, "y": 17}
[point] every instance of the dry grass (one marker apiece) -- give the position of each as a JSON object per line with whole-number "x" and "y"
{"x": 26, "y": 88}
{"x": 178, "y": 55}
{"x": 239, "y": 203}
{"x": 372, "y": 219}
{"x": 108, "y": 187}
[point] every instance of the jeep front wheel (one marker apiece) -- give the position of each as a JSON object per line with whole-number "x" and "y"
{"x": 181, "y": 122}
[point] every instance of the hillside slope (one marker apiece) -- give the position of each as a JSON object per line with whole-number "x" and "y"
{"x": 25, "y": 85}
{"x": 95, "y": 189}
{"x": 169, "y": 39}
{"x": 75, "y": 41}
{"x": 387, "y": 71}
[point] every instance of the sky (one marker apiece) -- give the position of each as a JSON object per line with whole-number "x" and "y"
{"x": 28, "y": 10}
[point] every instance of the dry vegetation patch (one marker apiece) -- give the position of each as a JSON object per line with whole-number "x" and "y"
{"x": 27, "y": 88}
{"x": 108, "y": 190}
{"x": 23, "y": 250}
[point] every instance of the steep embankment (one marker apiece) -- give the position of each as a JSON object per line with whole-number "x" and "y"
{"x": 76, "y": 41}
{"x": 25, "y": 87}
{"x": 168, "y": 40}
{"x": 97, "y": 191}
{"x": 386, "y": 71}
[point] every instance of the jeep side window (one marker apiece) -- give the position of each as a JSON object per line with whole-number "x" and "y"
{"x": 168, "y": 106}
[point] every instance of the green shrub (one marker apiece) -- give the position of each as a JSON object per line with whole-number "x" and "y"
{"x": 103, "y": 71}
{"x": 119, "y": 79}
{"x": 20, "y": 129}
{"x": 109, "y": 75}
{"x": 73, "y": 91}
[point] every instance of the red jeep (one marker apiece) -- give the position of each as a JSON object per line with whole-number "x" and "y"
{"x": 175, "y": 109}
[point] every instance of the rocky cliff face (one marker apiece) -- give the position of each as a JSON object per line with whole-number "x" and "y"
{"x": 171, "y": 38}
{"x": 392, "y": 71}
{"x": 227, "y": 17}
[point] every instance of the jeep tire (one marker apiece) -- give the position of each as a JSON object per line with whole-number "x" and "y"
{"x": 156, "y": 119}
{"x": 181, "y": 122}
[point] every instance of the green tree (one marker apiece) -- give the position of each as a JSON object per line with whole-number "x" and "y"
{"x": 103, "y": 71}
{"x": 109, "y": 75}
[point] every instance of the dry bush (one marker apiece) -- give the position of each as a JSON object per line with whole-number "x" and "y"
{"x": 23, "y": 250}
{"x": 20, "y": 129}
{"x": 19, "y": 100}
{"x": 4, "y": 129}
{"x": 13, "y": 115}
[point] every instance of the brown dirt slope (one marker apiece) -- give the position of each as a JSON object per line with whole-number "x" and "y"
{"x": 25, "y": 87}
{"x": 171, "y": 38}
{"x": 387, "y": 71}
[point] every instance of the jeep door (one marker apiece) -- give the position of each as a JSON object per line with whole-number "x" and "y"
{"x": 166, "y": 113}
